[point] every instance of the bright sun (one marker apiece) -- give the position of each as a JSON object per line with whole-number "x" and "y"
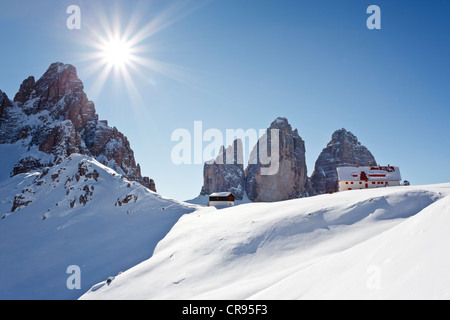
{"x": 117, "y": 53}
{"x": 120, "y": 51}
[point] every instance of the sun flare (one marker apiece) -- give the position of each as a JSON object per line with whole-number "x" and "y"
{"x": 123, "y": 52}
{"x": 117, "y": 53}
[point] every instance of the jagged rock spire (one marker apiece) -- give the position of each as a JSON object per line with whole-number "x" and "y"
{"x": 226, "y": 172}
{"x": 290, "y": 180}
{"x": 344, "y": 149}
{"x": 54, "y": 118}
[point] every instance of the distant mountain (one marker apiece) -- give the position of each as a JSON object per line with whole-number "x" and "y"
{"x": 290, "y": 180}
{"x": 226, "y": 172}
{"x": 52, "y": 118}
{"x": 344, "y": 149}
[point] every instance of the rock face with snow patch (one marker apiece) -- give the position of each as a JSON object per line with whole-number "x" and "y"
{"x": 54, "y": 118}
{"x": 344, "y": 149}
{"x": 226, "y": 172}
{"x": 290, "y": 180}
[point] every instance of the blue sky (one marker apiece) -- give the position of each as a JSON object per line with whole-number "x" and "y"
{"x": 240, "y": 64}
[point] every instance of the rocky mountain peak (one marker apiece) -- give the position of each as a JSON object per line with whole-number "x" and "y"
{"x": 343, "y": 135}
{"x": 226, "y": 172}
{"x": 290, "y": 180}
{"x": 280, "y": 123}
{"x": 53, "y": 118}
{"x": 5, "y": 103}
{"x": 344, "y": 149}
{"x": 262, "y": 181}
{"x": 58, "y": 80}
{"x": 25, "y": 91}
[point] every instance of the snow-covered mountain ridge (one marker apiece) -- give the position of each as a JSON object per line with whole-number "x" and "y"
{"x": 387, "y": 243}
{"x": 78, "y": 212}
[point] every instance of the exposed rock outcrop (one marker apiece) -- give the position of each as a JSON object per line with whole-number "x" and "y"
{"x": 284, "y": 180}
{"x": 54, "y": 118}
{"x": 226, "y": 172}
{"x": 5, "y": 103}
{"x": 344, "y": 149}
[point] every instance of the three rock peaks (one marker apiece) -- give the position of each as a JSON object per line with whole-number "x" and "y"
{"x": 291, "y": 180}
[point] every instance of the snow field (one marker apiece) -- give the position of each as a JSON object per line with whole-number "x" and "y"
{"x": 387, "y": 243}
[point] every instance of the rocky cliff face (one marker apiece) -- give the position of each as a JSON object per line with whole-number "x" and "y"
{"x": 344, "y": 149}
{"x": 226, "y": 172}
{"x": 290, "y": 180}
{"x": 53, "y": 118}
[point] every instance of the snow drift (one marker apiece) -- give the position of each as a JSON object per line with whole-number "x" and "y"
{"x": 387, "y": 243}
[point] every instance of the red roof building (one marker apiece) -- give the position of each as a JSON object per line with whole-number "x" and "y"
{"x": 356, "y": 177}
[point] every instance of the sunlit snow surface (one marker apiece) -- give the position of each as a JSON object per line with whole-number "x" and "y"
{"x": 387, "y": 243}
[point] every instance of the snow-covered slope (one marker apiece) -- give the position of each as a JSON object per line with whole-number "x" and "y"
{"x": 389, "y": 243}
{"x": 203, "y": 200}
{"x": 9, "y": 155}
{"x": 81, "y": 213}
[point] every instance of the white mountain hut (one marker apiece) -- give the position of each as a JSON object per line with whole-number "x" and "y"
{"x": 356, "y": 177}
